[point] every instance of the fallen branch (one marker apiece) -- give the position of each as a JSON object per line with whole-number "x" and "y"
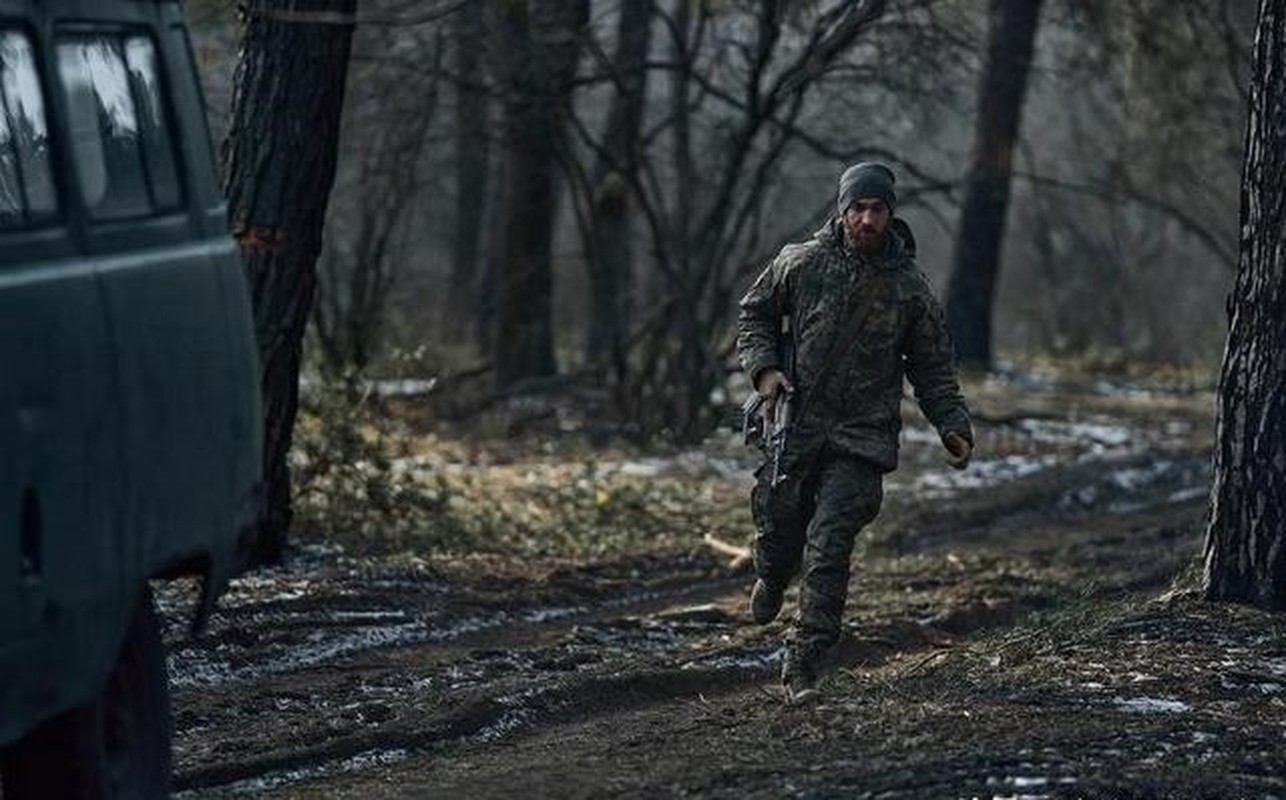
{"x": 740, "y": 555}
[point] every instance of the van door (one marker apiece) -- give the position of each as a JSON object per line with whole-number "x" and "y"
{"x": 60, "y": 477}
{"x": 163, "y": 297}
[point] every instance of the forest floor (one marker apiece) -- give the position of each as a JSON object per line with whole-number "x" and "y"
{"x": 1025, "y": 628}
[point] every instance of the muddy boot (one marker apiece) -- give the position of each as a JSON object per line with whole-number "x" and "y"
{"x": 765, "y": 601}
{"x": 799, "y": 679}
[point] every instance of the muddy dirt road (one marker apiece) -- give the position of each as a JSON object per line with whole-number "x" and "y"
{"x": 994, "y": 618}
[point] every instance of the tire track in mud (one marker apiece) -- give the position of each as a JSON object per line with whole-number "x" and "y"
{"x": 481, "y": 718}
{"x": 470, "y": 662}
{"x": 345, "y": 614}
{"x": 478, "y": 674}
{"x": 485, "y": 715}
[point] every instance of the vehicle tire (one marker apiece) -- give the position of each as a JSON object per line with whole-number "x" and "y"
{"x": 117, "y": 746}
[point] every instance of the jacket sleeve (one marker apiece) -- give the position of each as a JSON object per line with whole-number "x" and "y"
{"x": 759, "y": 320}
{"x": 930, "y": 366}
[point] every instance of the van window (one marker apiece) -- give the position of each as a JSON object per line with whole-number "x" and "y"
{"x": 27, "y": 193}
{"x": 120, "y": 139}
{"x": 140, "y": 60}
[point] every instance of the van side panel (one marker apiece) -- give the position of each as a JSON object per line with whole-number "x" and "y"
{"x": 61, "y": 490}
{"x": 173, "y": 357}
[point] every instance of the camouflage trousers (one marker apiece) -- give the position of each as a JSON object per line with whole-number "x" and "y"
{"x": 810, "y": 520}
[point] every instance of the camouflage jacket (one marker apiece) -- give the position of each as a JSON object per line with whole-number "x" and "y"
{"x": 901, "y": 333}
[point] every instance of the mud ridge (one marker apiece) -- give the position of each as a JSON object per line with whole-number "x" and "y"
{"x": 489, "y": 718}
{"x": 483, "y": 717}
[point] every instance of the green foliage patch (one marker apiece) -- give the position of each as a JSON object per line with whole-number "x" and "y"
{"x": 365, "y": 481}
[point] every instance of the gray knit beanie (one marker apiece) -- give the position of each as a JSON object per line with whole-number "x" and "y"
{"x": 867, "y": 179}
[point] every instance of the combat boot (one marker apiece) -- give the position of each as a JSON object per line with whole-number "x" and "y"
{"x": 799, "y": 680}
{"x": 799, "y": 673}
{"x": 765, "y": 601}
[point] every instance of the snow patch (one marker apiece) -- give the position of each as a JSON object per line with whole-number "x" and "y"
{"x": 688, "y": 464}
{"x": 980, "y": 475}
{"x": 763, "y": 660}
{"x": 1190, "y": 493}
{"x": 1096, "y": 437}
{"x": 404, "y": 387}
{"x": 1152, "y": 705}
{"x": 1133, "y": 479}
{"x": 275, "y": 780}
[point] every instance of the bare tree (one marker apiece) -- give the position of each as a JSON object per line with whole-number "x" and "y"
{"x": 609, "y": 253}
{"x": 1122, "y": 227}
{"x": 972, "y": 289}
{"x": 1246, "y": 538}
{"x": 391, "y": 104}
{"x": 739, "y": 78}
{"x": 540, "y": 48}
{"x": 279, "y": 159}
{"x": 472, "y": 164}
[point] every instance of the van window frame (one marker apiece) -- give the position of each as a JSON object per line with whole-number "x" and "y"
{"x": 66, "y": 31}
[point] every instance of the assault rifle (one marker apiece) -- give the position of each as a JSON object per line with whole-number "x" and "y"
{"x": 770, "y": 435}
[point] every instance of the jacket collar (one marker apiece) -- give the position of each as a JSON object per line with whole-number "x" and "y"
{"x": 891, "y": 255}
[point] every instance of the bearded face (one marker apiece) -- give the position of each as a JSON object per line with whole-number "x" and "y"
{"x": 865, "y": 222}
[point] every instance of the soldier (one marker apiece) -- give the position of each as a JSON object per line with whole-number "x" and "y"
{"x": 862, "y": 316}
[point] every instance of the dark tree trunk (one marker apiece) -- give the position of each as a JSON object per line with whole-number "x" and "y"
{"x": 681, "y": 141}
{"x": 542, "y": 48}
{"x": 610, "y": 256}
{"x": 279, "y": 160}
{"x": 972, "y": 287}
{"x": 1246, "y": 539}
{"x": 491, "y": 255}
{"x": 472, "y": 165}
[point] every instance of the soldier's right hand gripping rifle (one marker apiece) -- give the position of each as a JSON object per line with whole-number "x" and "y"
{"x": 770, "y": 409}
{"x": 782, "y": 409}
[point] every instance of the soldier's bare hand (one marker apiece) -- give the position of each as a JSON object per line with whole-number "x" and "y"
{"x": 959, "y": 448}
{"x": 771, "y": 383}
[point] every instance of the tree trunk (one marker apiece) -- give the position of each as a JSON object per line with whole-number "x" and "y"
{"x": 543, "y": 48}
{"x": 610, "y": 256}
{"x": 279, "y": 160}
{"x": 491, "y": 255}
{"x": 472, "y": 165}
{"x": 1246, "y": 539}
{"x": 972, "y": 288}
{"x": 681, "y": 141}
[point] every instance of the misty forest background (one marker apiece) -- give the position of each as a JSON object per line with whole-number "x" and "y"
{"x": 1121, "y": 238}
{"x": 560, "y": 202}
